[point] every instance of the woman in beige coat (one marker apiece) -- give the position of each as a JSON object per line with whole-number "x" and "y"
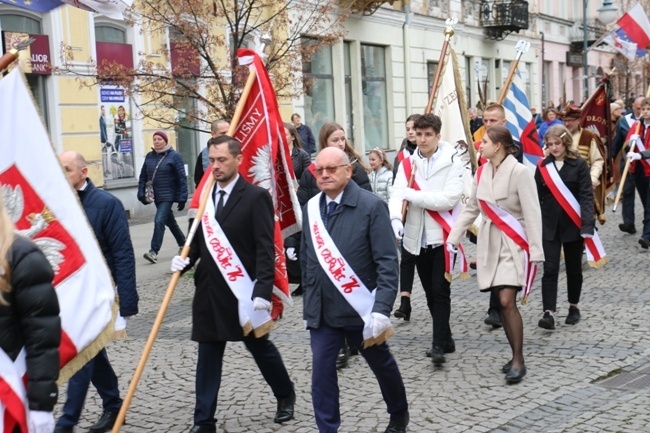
{"x": 500, "y": 261}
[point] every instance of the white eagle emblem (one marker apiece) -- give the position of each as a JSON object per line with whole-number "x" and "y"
{"x": 261, "y": 171}
{"x": 15, "y": 205}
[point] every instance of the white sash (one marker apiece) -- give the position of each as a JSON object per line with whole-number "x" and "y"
{"x": 341, "y": 274}
{"x": 235, "y": 275}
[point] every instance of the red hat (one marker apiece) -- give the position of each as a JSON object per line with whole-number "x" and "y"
{"x": 161, "y": 135}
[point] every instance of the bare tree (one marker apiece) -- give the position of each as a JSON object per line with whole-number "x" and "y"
{"x": 199, "y": 80}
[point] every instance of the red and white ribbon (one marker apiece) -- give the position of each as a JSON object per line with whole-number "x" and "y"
{"x": 512, "y": 228}
{"x": 596, "y": 256}
{"x": 446, "y": 220}
{"x": 402, "y": 155}
{"x": 13, "y": 396}
{"x": 233, "y": 272}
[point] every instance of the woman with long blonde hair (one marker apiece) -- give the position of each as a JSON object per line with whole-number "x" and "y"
{"x": 29, "y": 319}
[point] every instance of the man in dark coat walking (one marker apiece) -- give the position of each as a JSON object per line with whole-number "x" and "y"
{"x": 245, "y": 214}
{"x": 358, "y": 225}
{"x": 108, "y": 221}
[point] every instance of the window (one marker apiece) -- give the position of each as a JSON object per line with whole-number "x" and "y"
{"x": 104, "y": 33}
{"x": 375, "y": 106}
{"x": 16, "y": 23}
{"x": 115, "y": 109}
{"x": 431, "y": 75}
{"x": 319, "y": 86}
{"x": 349, "y": 128}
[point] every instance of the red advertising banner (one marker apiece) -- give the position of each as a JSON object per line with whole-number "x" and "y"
{"x": 35, "y": 59}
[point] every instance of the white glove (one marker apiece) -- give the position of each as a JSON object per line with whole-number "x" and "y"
{"x": 587, "y": 236}
{"x": 379, "y": 324}
{"x": 451, "y": 248}
{"x": 634, "y": 156}
{"x": 120, "y": 322}
{"x": 41, "y": 422}
{"x": 409, "y": 194}
{"x": 179, "y": 263}
{"x": 398, "y": 228}
{"x": 291, "y": 254}
{"x": 261, "y": 304}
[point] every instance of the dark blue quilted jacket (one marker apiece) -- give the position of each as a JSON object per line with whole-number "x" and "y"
{"x": 170, "y": 183}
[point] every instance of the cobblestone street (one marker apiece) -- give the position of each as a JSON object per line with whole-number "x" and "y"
{"x": 564, "y": 390}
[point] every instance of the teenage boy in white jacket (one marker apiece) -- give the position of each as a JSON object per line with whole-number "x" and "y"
{"x": 439, "y": 179}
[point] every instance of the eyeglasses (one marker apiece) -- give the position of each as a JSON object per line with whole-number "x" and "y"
{"x": 331, "y": 170}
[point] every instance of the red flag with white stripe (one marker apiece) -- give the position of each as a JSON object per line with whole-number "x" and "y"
{"x": 44, "y": 208}
{"x": 266, "y": 162}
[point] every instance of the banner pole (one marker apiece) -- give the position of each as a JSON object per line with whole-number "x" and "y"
{"x": 205, "y": 196}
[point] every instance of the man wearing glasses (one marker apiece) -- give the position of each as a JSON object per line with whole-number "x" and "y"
{"x": 350, "y": 275}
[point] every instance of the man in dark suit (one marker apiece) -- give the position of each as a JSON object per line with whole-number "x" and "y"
{"x": 245, "y": 214}
{"x": 350, "y": 227}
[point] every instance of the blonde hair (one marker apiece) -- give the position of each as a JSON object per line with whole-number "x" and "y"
{"x": 564, "y": 135}
{"x": 6, "y": 239}
{"x": 382, "y": 157}
{"x": 330, "y": 128}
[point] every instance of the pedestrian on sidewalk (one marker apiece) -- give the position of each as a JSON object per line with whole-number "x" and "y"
{"x": 505, "y": 195}
{"x": 353, "y": 226}
{"x": 240, "y": 219}
{"x": 108, "y": 221}
{"x": 163, "y": 182}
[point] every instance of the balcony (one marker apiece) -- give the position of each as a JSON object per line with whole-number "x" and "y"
{"x": 364, "y": 7}
{"x": 501, "y": 17}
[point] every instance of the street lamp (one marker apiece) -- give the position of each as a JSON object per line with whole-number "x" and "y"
{"x": 607, "y": 13}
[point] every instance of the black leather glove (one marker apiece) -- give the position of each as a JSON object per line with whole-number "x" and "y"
{"x": 143, "y": 200}
{"x": 181, "y": 206}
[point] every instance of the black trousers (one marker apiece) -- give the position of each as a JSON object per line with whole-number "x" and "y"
{"x": 573, "y": 263}
{"x": 636, "y": 182}
{"x": 208, "y": 375}
{"x": 406, "y": 271}
{"x": 431, "y": 269}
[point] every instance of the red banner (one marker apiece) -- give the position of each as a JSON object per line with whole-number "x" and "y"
{"x": 266, "y": 161}
{"x": 596, "y": 117}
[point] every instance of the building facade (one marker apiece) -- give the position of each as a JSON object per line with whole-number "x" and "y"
{"x": 378, "y": 74}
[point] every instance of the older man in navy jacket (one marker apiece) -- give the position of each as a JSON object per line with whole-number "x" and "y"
{"x": 347, "y": 245}
{"x": 108, "y": 220}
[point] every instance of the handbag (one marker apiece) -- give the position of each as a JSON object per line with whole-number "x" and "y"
{"x": 149, "y": 195}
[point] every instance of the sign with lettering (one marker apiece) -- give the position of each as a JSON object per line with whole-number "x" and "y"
{"x": 35, "y": 59}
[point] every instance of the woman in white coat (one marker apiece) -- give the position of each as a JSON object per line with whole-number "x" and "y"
{"x": 503, "y": 189}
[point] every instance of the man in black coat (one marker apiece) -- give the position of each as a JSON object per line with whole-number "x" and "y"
{"x": 108, "y": 221}
{"x": 359, "y": 225}
{"x": 245, "y": 214}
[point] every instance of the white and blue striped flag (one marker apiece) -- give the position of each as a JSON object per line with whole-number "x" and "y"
{"x": 520, "y": 122}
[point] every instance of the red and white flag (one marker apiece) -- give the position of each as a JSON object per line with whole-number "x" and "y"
{"x": 44, "y": 208}
{"x": 266, "y": 162}
{"x": 636, "y": 25}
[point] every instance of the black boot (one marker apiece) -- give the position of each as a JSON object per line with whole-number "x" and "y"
{"x": 404, "y": 310}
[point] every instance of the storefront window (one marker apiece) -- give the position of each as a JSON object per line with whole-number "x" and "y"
{"x": 319, "y": 87}
{"x": 373, "y": 85}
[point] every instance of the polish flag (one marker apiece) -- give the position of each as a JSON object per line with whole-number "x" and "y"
{"x": 44, "y": 208}
{"x": 636, "y": 25}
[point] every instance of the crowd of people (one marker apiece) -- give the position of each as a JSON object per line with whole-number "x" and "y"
{"x": 379, "y": 223}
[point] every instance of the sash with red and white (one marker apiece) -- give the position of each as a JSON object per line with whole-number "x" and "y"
{"x": 402, "y": 155}
{"x": 640, "y": 147}
{"x": 596, "y": 256}
{"x": 341, "y": 274}
{"x": 512, "y": 228}
{"x": 446, "y": 219}
{"x": 234, "y": 273}
{"x": 13, "y": 397}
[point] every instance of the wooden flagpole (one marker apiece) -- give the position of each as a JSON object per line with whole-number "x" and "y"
{"x": 449, "y": 32}
{"x": 522, "y": 47}
{"x": 628, "y": 162}
{"x": 205, "y": 196}
{"x": 12, "y": 55}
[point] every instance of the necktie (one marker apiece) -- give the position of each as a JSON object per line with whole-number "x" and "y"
{"x": 219, "y": 210}
{"x": 331, "y": 207}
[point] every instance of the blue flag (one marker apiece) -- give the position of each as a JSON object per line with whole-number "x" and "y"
{"x": 41, "y": 6}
